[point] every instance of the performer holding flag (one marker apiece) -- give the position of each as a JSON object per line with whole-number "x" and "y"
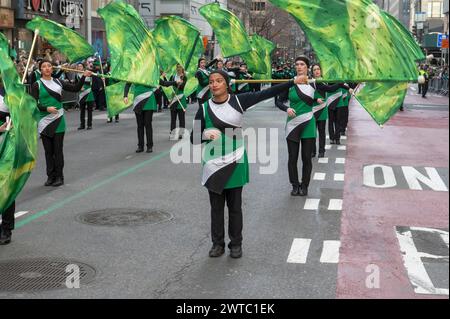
{"x": 47, "y": 91}
{"x": 225, "y": 166}
{"x": 177, "y": 109}
{"x": 202, "y": 75}
{"x": 86, "y": 100}
{"x": 7, "y": 224}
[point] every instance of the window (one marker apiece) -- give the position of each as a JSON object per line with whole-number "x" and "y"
{"x": 435, "y": 9}
{"x": 5, "y": 3}
{"x": 258, "y": 6}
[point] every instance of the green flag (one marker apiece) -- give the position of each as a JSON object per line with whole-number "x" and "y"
{"x": 179, "y": 42}
{"x": 265, "y": 48}
{"x": 353, "y": 40}
{"x": 114, "y": 98}
{"x": 132, "y": 47}
{"x": 230, "y": 32}
{"x": 18, "y": 147}
{"x": 67, "y": 41}
{"x": 381, "y": 99}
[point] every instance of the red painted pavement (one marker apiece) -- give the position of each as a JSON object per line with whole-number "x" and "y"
{"x": 369, "y": 216}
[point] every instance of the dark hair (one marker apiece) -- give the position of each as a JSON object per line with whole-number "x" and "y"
{"x": 200, "y": 60}
{"x": 304, "y": 59}
{"x": 225, "y": 76}
{"x": 243, "y": 63}
{"x": 44, "y": 61}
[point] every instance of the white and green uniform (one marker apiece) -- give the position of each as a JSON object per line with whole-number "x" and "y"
{"x": 144, "y": 98}
{"x": 345, "y": 98}
{"x": 86, "y": 94}
{"x": 179, "y": 91}
{"x": 4, "y": 111}
{"x": 48, "y": 93}
{"x": 302, "y": 98}
{"x": 328, "y": 94}
{"x": 203, "y": 92}
{"x": 225, "y": 162}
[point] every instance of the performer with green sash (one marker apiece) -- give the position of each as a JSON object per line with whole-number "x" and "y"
{"x": 85, "y": 101}
{"x": 225, "y": 165}
{"x": 177, "y": 109}
{"x": 52, "y": 125}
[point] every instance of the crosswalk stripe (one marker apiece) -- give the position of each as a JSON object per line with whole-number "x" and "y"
{"x": 330, "y": 252}
{"x": 299, "y": 251}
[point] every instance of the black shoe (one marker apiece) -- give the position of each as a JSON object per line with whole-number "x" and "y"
{"x": 180, "y": 137}
{"x": 402, "y": 108}
{"x": 89, "y": 127}
{"x": 236, "y": 252}
{"x": 117, "y": 121}
{"x": 58, "y": 182}
{"x": 216, "y": 251}
{"x": 149, "y": 150}
{"x": 338, "y": 142}
{"x": 109, "y": 121}
{"x": 5, "y": 237}
{"x": 321, "y": 155}
{"x": 140, "y": 150}
{"x": 343, "y": 133}
{"x": 81, "y": 128}
{"x": 332, "y": 142}
{"x": 295, "y": 190}
{"x": 303, "y": 190}
{"x": 49, "y": 182}
{"x": 313, "y": 155}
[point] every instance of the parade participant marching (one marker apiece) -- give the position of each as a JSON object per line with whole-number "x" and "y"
{"x": 7, "y": 224}
{"x": 144, "y": 106}
{"x": 52, "y": 125}
{"x": 243, "y": 75}
{"x": 320, "y": 110}
{"x": 342, "y": 114}
{"x": 202, "y": 75}
{"x": 175, "y": 108}
{"x": 86, "y": 101}
{"x": 225, "y": 165}
{"x": 300, "y": 127}
{"x": 232, "y": 73}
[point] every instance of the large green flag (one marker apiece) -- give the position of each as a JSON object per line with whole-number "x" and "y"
{"x": 132, "y": 47}
{"x": 114, "y": 98}
{"x": 67, "y": 41}
{"x": 230, "y": 32}
{"x": 265, "y": 48}
{"x": 381, "y": 99}
{"x": 18, "y": 148}
{"x": 179, "y": 42}
{"x": 354, "y": 41}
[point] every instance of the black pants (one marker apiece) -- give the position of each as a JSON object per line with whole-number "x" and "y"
{"x": 293, "y": 150}
{"x": 321, "y": 127}
{"x": 158, "y": 97}
{"x": 144, "y": 120}
{"x": 54, "y": 156}
{"x": 100, "y": 99}
{"x": 336, "y": 120}
{"x": 344, "y": 119}
{"x": 174, "y": 112}
{"x": 83, "y": 106}
{"x": 425, "y": 89}
{"x": 8, "y": 218}
{"x": 233, "y": 198}
{"x": 420, "y": 88}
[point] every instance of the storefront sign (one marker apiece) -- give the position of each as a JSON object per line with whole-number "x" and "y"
{"x": 61, "y": 7}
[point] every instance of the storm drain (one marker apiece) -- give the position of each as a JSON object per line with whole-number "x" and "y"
{"x": 123, "y": 217}
{"x": 40, "y": 274}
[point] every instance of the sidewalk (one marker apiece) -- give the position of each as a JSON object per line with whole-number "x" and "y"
{"x": 382, "y": 254}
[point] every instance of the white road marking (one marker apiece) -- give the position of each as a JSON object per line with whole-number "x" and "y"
{"x": 339, "y": 177}
{"x": 19, "y": 214}
{"x": 330, "y": 252}
{"x": 328, "y": 147}
{"x": 342, "y": 148}
{"x": 340, "y": 160}
{"x": 299, "y": 251}
{"x": 312, "y": 204}
{"x": 417, "y": 273}
{"x": 335, "y": 204}
{"x": 319, "y": 176}
{"x": 323, "y": 160}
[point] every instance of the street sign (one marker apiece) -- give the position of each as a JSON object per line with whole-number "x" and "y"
{"x": 420, "y": 26}
{"x": 420, "y": 17}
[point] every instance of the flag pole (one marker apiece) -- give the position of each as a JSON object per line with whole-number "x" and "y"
{"x": 319, "y": 81}
{"x": 36, "y": 33}
{"x": 176, "y": 96}
{"x": 79, "y": 71}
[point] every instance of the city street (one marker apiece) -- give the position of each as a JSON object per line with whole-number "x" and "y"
{"x": 374, "y": 225}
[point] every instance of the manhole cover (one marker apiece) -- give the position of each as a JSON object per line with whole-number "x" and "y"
{"x": 38, "y": 274}
{"x": 123, "y": 217}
